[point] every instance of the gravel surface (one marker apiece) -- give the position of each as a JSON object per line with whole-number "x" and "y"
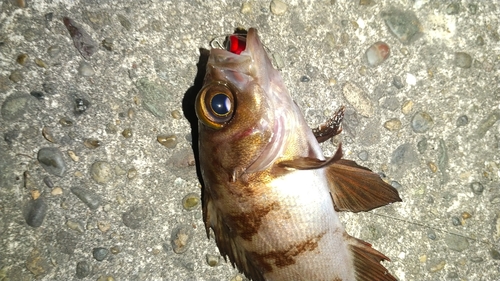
{"x": 97, "y": 172}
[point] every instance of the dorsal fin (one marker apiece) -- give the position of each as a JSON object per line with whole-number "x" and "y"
{"x": 354, "y": 188}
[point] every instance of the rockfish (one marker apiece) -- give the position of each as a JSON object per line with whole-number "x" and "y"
{"x": 269, "y": 194}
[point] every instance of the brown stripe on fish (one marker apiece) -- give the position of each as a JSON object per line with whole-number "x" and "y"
{"x": 286, "y": 257}
{"x": 247, "y": 224}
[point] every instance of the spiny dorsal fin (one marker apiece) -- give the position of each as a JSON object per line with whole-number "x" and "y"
{"x": 367, "y": 260}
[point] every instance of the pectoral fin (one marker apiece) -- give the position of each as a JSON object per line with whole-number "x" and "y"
{"x": 354, "y": 188}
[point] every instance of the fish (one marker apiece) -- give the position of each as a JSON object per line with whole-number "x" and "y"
{"x": 269, "y": 194}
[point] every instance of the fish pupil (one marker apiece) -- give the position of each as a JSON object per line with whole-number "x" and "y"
{"x": 221, "y": 104}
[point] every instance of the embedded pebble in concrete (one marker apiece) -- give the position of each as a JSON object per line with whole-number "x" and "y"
{"x": 81, "y": 105}
{"x": 377, "y": 53}
{"x": 75, "y": 225}
{"x": 85, "y": 69}
{"x": 421, "y": 122}
{"x": 443, "y": 161}
{"x": 456, "y": 242}
{"x": 35, "y": 212}
{"x": 363, "y": 155}
{"x": 38, "y": 95}
{"x": 52, "y": 161}
{"x": 495, "y": 254}
{"x": 422, "y": 145}
{"x": 90, "y": 198}
{"x": 16, "y": 76}
{"x": 169, "y": 141}
{"x": 463, "y": 60}
{"x": 213, "y": 260}
{"x": 102, "y": 172}
{"x": 14, "y": 107}
{"x": 99, "y": 253}
{"x": 190, "y": 201}
{"x": 397, "y": 82}
{"x": 81, "y": 39}
{"x": 453, "y": 9}
{"x": 154, "y": 97}
{"x": 180, "y": 238}
{"x": 402, "y": 24}
{"x": 358, "y": 99}
{"x": 134, "y": 217}
{"x": 393, "y": 124}
{"x": 487, "y": 123}
{"x": 278, "y": 7}
{"x": 83, "y": 269}
{"x": 477, "y": 188}
{"x": 92, "y": 143}
{"x": 37, "y": 263}
{"x": 462, "y": 121}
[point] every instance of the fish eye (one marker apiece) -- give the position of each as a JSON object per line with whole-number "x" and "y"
{"x": 221, "y": 104}
{"x": 215, "y": 105}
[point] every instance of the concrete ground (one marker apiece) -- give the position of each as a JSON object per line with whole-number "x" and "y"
{"x": 98, "y": 134}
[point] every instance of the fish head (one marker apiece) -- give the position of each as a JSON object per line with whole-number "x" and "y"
{"x": 241, "y": 108}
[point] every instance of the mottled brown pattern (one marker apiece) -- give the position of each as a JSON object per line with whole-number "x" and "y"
{"x": 283, "y": 258}
{"x": 247, "y": 224}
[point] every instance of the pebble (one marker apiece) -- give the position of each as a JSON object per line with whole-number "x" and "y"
{"x": 422, "y": 145}
{"x": 102, "y": 172}
{"x": 494, "y": 254}
{"x": 452, "y": 275}
{"x": 115, "y": 250}
{"x": 456, "y": 221}
{"x": 35, "y": 211}
{"x": 16, "y": 76}
{"x": 127, "y": 133}
{"x": 87, "y": 196}
{"x": 38, "y": 95}
{"x": 134, "y": 217}
{"x": 462, "y": 121}
{"x": 56, "y": 191}
{"x": 111, "y": 128}
{"x": 106, "y": 278}
{"x": 456, "y": 242}
{"x": 41, "y": 63}
{"x": 48, "y": 182}
{"x": 85, "y": 69}
{"x": 81, "y": 105}
{"x": 278, "y": 7}
{"x": 37, "y": 263}
{"x": 180, "y": 238}
{"x": 154, "y": 97}
{"x": 431, "y": 234}
{"x": 212, "y": 260}
{"x": 176, "y": 114}
{"x": 81, "y": 39}
{"x": 52, "y": 161}
{"x": 443, "y": 160}
{"x": 472, "y": 8}
{"x": 402, "y": 24}
{"x": 100, "y": 254}
{"x": 407, "y": 107}
{"x": 73, "y": 155}
{"x": 377, "y": 53}
{"x": 54, "y": 51}
{"x": 22, "y": 59}
{"x": 453, "y": 9}
{"x": 246, "y": 8}
{"x": 103, "y": 226}
{"x": 432, "y": 166}
{"x": 66, "y": 122}
{"x": 92, "y": 143}
{"x": 402, "y": 155}
{"x": 47, "y": 134}
{"x": 124, "y": 22}
{"x": 83, "y": 269}
{"x": 363, "y": 155}
{"x": 132, "y": 173}
{"x": 421, "y": 122}
{"x": 487, "y": 123}
{"x": 358, "y": 99}
{"x": 108, "y": 44}
{"x": 304, "y": 79}
{"x": 169, "y": 141}
{"x": 437, "y": 266}
{"x": 11, "y": 136}
{"x": 393, "y": 124}
{"x": 75, "y": 225}
{"x": 477, "y": 188}
{"x": 15, "y": 107}
{"x": 463, "y": 60}
{"x": 397, "y": 82}
{"x": 191, "y": 201}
